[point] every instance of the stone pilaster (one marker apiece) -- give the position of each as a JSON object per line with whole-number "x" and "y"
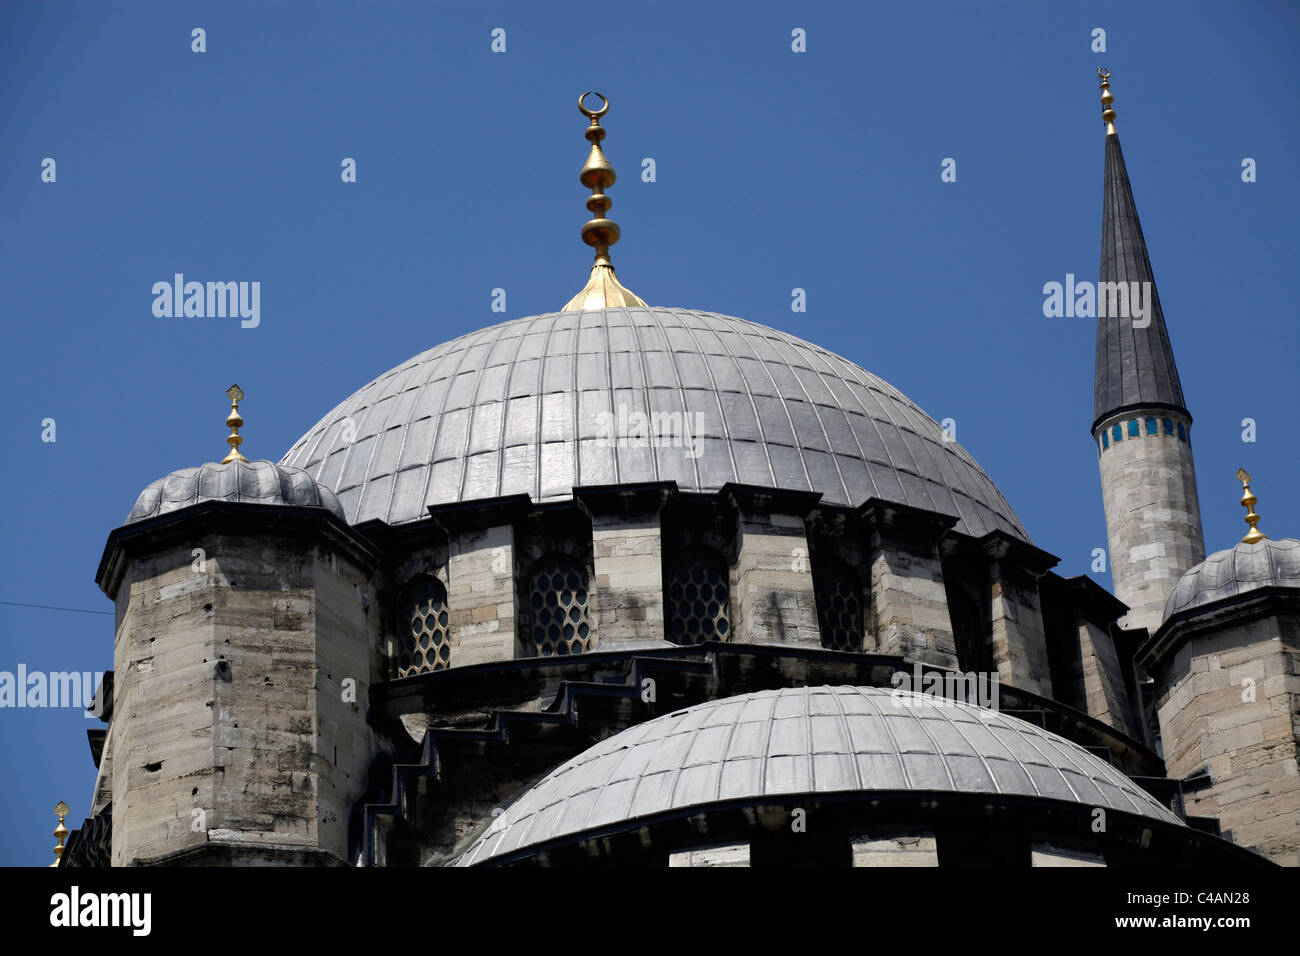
{"x": 909, "y": 607}
{"x": 627, "y": 549}
{"x": 481, "y": 573}
{"x": 1092, "y": 672}
{"x": 773, "y": 596}
{"x": 1019, "y": 640}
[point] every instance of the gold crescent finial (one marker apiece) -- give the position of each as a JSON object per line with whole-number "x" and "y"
{"x": 1107, "y": 98}
{"x": 61, "y": 809}
{"x": 234, "y": 422}
{"x": 1248, "y": 500}
{"x": 597, "y": 114}
{"x": 603, "y": 289}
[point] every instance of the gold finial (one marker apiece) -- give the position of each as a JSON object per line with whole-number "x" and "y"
{"x": 1248, "y": 502}
{"x": 603, "y": 288}
{"x": 61, "y": 832}
{"x": 1107, "y": 97}
{"x": 235, "y": 422}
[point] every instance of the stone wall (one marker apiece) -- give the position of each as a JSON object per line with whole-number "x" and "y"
{"x": 724, "y": 854}
{"x": 1227, "y": 705}
{"x": 242, "y": 674}
{"x": 903, "y": 848}
{"x": 1153, "y": 514}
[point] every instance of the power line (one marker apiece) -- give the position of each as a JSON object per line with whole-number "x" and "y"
{"x": 51, "y": 607}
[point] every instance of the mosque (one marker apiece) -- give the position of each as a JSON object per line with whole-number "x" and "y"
{"x": 638, "y": 586}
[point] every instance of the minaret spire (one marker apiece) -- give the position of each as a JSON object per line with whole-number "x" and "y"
{"x": 1141, "y": 425}
{"x": 1135, "y": 362}
{"x": 603, "y": 288}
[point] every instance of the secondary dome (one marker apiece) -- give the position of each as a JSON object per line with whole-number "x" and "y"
{"x": 531, "y": 406}
{"x": 255, "y": 482}
{"x": 806, "y": 740}
{"x": 1236, "y": 570}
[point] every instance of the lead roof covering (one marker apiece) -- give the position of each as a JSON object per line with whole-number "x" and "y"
{"x": 527, "y": 406}
{"x": 806, "y": 740}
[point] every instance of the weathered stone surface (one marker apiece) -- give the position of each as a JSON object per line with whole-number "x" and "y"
{"x": 773, "y": 595}
{"x": 481, "y": 595}
{"x": 917, "y": 848}
{"x": 1046, "y": 854}
{"x": 724, "y": 854}
{"x": 241, "y": 680}
{"x": 909, "y": 604}
{"x": 1153, "y": 514}
{"x": 1018, "y": 636}
{"x": 628, "y": 557}
{"x": 1220, "y": 713}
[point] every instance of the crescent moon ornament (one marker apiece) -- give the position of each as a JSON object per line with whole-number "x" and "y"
{"x": 590, "y": 114}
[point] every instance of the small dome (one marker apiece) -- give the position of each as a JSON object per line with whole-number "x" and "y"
{"x": 1244, "y": 568}
{"x": 806, "y": 740}
{"x": 253, "y": 482}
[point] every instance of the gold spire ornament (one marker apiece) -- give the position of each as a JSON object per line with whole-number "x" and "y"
{"x": 603, "y": 289}
{"x": 234, "y": 421}
{"x": 1248, "y": 502}
{"x": 60, "y": 832}
{"x": 1107, "y": 97}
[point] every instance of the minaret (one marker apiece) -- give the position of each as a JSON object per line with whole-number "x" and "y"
{"x": 1141, "y": 425}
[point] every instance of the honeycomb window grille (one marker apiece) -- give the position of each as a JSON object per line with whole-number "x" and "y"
{"x": 839, "y": 606}
{"x": 423, "y": 625}
{"x": 559, "y": 620}
{"x": 698, "y": 598}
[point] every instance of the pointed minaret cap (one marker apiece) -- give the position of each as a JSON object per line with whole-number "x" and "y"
{"x": 234, "y": 421}
{"x": 603, "y": 288}
{"x": 1248, "y": 500}
{"x": 1135, "y": 362}
{"x": 1107, "y": 98}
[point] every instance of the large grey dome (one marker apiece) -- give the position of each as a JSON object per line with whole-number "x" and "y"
{"x": 1244, "y": 568}
{"x": 525, "y": 406}
{"x": 806, "y": 740}
{"x": 255, "y": 482}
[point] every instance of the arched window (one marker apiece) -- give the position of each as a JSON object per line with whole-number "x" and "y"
{"x": 697, "y": 599}
{"x": 839, "y": 605}
{"x": 423, "y": 637}
{"x": 557, "y": 606}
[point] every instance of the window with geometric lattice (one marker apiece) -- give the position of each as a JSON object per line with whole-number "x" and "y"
{"x": 839, "y": 605}
{"x": 697, "y": 598}
{"x": 424, "y": 638}
{"x": 558, "y": 621}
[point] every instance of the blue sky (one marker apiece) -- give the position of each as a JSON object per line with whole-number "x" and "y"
{"x": 775, "y": 170}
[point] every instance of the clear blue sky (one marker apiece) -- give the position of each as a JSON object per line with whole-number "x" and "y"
{"x": 818, "y": 170}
